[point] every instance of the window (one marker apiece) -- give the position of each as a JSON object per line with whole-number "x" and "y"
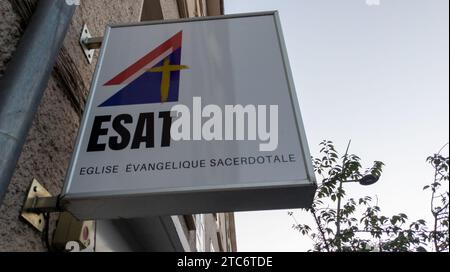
{"x": 151, "y": 10}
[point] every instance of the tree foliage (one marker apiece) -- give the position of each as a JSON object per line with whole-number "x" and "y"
{"x": 359, "y": 224}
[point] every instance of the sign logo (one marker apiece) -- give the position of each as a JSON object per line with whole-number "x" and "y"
{"x": 155, "y": 78}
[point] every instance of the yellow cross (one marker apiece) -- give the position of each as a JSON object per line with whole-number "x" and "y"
{"x": 165, "y": 69}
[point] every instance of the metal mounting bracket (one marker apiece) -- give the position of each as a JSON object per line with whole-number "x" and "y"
{"x": 38, "y": 201}
{"x": 89, "y": 43}
{"x": 69, "y": 229}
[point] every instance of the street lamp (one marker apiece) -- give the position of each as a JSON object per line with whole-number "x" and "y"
{"x": 365, "y": 181}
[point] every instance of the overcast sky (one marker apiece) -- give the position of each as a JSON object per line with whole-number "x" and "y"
{"x": 376, "y": 74}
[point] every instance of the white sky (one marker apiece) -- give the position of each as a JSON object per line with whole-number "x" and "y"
{"x": 376, "y": 74}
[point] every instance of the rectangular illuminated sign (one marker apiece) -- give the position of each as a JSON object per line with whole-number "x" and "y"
{"x": 190, "y": 116}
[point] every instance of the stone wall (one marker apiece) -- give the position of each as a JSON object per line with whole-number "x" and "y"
{"x": 10, "y": 32}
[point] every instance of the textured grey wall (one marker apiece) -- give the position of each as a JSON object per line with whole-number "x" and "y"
{"x": 49, "y": 144}
{"x": 10, "y": 32}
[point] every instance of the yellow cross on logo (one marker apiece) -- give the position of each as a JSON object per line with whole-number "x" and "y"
{"x": 165, "y": 69}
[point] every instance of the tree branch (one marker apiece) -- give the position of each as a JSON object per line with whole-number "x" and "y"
{"x": 322, "y": 233}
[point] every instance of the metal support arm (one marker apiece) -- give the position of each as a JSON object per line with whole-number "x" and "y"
{"x": 89, "y": 43}
{"x": 42, "y": 205}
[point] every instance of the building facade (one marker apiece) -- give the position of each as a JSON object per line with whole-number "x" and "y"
{"x": 50, "y": 141}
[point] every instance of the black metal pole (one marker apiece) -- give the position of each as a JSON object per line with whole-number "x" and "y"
{"x": 26, "y": 78}
{"x": 338, "y": 217}
{"x": 338, "y": 211}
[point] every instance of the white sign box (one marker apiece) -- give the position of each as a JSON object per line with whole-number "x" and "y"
{"x": 130, "y": 161}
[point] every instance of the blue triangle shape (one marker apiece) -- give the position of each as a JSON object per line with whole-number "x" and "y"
{"x": 146, "y": 88}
